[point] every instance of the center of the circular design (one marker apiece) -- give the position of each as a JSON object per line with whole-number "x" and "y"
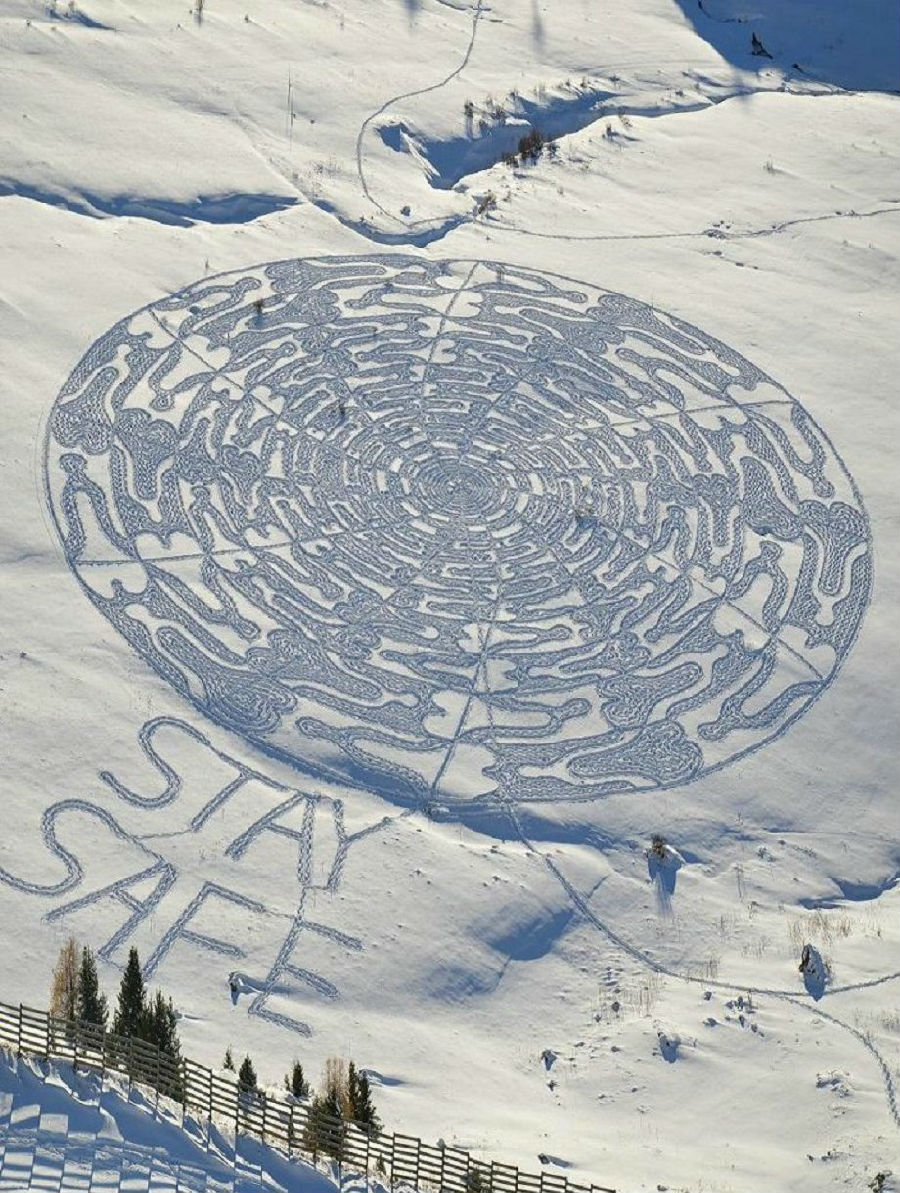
{"x": 452, "y": 485}
{"x": 454, "y": 529}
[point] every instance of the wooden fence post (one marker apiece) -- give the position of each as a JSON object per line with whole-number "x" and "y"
{"x": 19, "y": 1032}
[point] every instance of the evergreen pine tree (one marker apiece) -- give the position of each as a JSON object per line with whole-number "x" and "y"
{"x": 362, "y": 1108}
{"x": 161, "y": 1029}
{"x": 325, "y": 1128}
{"x": 247, "y": 1077}
{"x": 295, "y": 1082}
{"x": 162, "y": 1026}
{"x": 228, "y": 1062}
{"x": 475, "y": 1181}
{"x": 91, "y": 1005}
{"x": 131, "y": 1011}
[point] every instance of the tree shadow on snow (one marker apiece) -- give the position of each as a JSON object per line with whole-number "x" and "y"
{"x": 851, "y": 46}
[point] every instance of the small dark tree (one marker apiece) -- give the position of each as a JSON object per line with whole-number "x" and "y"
{"x": 228, "y": 1062}
{"x": 325, "y": 1128}
{"x": 247, "y": 1077}
{"x": 161, "y": 1029}
{"x": 131, "y": 1010}
{"x": 475, "y": 1182}
{"x": 295, "y": 1082}
{"x": 530, "y": 146}
{"x": 91, "y": 1007}
{"x": 362, "y": 1108}
{"x": 162, "y": 1026}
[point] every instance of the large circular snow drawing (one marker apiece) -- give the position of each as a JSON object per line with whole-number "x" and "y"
{"x": 458, "y": 529}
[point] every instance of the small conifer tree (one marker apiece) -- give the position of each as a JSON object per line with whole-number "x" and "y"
{"x": 247, "y": 1077}
{"x": 362, "y": 1108}
{"x": 475, "y": 1182}
{"x": 92, "y": 1007}
{"x": 161, "y": 1029}
{"x": 228, "y": 1062}
{"x": 325, "y": 1128}
{"x": 131, "y": 1010}
{"x": 295, "y": 1082}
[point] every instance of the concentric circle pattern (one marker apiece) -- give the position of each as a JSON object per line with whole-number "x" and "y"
{"x": 457, "y": 528}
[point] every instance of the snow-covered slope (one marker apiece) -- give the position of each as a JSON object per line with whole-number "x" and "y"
{"x": 518, "y": 972}
{"x": 65, "y": 1130}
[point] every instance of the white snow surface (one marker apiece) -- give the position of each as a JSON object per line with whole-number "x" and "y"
{"x": 538, "y": 989}
{"x": 66, "y": 1130}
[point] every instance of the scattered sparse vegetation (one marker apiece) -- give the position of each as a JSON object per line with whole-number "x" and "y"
{"x": 344, "y": 1096}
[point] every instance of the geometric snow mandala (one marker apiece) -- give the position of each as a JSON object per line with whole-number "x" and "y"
{"x": 460, "y": 529}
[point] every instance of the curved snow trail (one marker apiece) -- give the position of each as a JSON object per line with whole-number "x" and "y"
{"x": 364, "y": 127}
{"x": 580, "y": 902}
{"x": 706, "y": 233}
{"x": 791, "y": 996}
{"x": 890, "y": 1091}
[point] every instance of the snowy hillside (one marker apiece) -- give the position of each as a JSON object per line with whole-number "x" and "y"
{"x": 62, "y": 1131}
{"x": 410, "y": 519}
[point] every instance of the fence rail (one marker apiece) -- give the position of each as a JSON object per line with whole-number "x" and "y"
{"x": 286, "y": 1123}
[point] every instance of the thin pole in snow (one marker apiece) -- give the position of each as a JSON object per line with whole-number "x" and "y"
{"x": 290, "y": 109}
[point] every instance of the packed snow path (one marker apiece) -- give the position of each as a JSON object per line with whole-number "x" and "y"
{"x": 458, "y": 529}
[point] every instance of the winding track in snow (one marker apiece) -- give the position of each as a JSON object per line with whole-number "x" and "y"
{"x": 364, "y": 128}
{"x": 495, "y": 222}
{"x": 574, "y": 896}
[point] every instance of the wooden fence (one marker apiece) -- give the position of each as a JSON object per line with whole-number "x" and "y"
{"x": 285, "y": 1123}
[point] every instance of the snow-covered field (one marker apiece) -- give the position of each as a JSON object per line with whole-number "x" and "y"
{"x": 397, "y": 539}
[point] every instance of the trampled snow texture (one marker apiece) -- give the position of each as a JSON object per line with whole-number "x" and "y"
{"x": 162, "y": 896}
{"x": 429, "y": 520}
